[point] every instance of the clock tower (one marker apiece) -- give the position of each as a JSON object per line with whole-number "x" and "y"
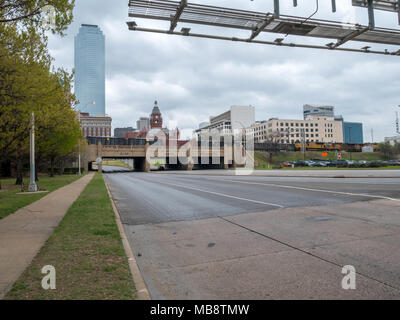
{"x": 155, "y": 117}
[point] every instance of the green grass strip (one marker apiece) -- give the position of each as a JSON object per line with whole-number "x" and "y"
{"x": 86, "y": 251}
{"x": 10, "y": 201}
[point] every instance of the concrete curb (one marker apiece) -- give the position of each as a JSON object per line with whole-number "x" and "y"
{"x": 141, "y": 290}
{"x": 283, "y": 176}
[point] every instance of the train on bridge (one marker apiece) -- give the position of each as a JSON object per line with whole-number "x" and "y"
{"x": 313, "y": 146}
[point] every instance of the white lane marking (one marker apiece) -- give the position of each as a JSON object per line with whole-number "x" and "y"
{"x": 223, "y": 195}
{"x": 309, "y": 189}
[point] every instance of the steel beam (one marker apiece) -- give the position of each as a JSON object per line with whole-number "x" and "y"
{"x": 293, "y": 45}
{"x": 178, "y": 14}
{"x": 385, "y": 5}
{"x": 371, "y": 15}
{"x": 259, "y": 29}
{"x": 256, "y": 22}
{"x": 276, "y": 9}
{"x": 350, "y": 37}
{"x": 398, "y": 9}
{"x": 333, "y": 5}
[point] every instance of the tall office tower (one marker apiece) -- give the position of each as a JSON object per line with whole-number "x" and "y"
{"x": 90, "y": 70}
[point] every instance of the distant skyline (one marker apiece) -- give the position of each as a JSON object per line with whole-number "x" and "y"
{"x": 194, "y": 79}
{"x": 89, "y": 63}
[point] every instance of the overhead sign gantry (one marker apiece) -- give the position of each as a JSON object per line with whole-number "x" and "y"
{"x": 257, "y": 22}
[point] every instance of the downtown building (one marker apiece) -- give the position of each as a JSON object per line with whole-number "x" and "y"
{"x": 143, "y": 123}
{"x": 314, "y": 129}
{"x": 95, "y": 126}
{"x": 90, "y": 70}
{"x": 236, "y": 118}
{"x": 320, "y": 125}
{"x": 90, "y": 81}
{"x": 120, "y": 132}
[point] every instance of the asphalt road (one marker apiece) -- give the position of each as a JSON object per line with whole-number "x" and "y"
{"x": 252, "y": 237}
{"x": 109, "y": 169}
{"x": 174, "y": 197}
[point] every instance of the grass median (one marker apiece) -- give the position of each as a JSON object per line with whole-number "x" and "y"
{"x": 11, "y": 201}
{"x": 86, "y": 251}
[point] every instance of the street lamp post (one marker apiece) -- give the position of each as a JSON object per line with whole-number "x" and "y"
{"x": 32, "y": 185}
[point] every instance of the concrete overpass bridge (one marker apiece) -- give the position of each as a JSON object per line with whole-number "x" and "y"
{"x": 178, "y": 156}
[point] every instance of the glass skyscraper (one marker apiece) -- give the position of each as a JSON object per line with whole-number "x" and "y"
{"x": 90, "y": 70}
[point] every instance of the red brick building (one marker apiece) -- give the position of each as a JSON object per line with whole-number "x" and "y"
{"x": 95, "y": 126}
{"x": 156, "y": 120}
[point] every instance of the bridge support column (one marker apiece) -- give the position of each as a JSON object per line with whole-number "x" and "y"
{"x": 100, "y": 168}
{"x": 146, "y": 166}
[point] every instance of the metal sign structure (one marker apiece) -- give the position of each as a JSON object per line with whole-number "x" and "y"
{"x": 338, "y": 33}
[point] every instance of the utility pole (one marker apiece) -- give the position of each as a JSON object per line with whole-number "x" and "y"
{"x": 32, "y": 186}
{"x": 79, "y": 145}
{"x": 397, "y": 122}
{"x": 303, "y": 143}
{"x": 351, "y": 157}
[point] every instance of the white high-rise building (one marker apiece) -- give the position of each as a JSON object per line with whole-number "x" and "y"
{"x": 90, "y": 70}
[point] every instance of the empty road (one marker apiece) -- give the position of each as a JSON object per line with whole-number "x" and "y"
{"x": 252, "y": 237}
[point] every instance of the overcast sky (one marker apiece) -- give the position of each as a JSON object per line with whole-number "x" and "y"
{"x": 193, "y": 79}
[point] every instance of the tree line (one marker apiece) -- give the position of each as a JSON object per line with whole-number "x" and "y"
{"x": 389, "y": 151}
{"x": 29, "y": 83}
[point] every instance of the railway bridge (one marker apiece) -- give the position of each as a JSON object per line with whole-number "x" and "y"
{"x": 182, "y": 155}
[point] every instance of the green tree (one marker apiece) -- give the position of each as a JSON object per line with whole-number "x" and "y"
{"x": 59, "y": 131}
{"x": 29, "y": 13}
{"x": 397, "y": 148}
{"x": 24, "y": 62}
{"x": 387, "y": 150}
{"x": 28, "y": 85}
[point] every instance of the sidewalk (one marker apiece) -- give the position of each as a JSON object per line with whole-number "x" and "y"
{"x": 23, "y": 233}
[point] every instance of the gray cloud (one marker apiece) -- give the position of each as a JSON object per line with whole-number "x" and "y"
{"x": 195, "y": 78}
